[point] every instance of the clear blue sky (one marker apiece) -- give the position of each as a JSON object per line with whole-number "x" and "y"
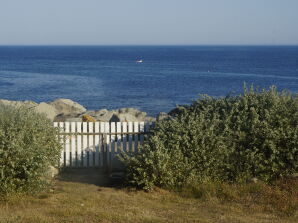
{"x": 141, "y": 22}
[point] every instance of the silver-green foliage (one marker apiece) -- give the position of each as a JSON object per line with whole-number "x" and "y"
{"x": 232, "y": 139}
{"x": 28, "y": 146}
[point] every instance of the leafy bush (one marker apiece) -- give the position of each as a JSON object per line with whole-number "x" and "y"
{"x": 28, "y": 146}
{"x": 231, "y": 139}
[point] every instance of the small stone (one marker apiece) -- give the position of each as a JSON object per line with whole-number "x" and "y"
{"x": 88, "y": 118}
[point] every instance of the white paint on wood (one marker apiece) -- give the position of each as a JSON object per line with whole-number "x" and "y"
{"x": 97, "y": 144}
{"x": 102, "y": 140}
{"x": 85, "y": 144}
{"x": 107, "y": 141}
{"x": 73, "y": 142}
{"x": 91, "y": 145}
{"x": 79, "y": 144}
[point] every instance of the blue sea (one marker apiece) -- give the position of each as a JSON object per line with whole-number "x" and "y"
{"x": 109, "y": 76}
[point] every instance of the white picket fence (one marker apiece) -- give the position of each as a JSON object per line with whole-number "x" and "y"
{"x": 96, "y": 144}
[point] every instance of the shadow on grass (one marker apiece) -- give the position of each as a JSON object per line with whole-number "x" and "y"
{"x": 95, "y": 176}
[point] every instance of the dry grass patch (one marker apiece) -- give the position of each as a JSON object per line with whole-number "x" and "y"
{"x": 84, "y": 202}
{"x": 280, "y": 198}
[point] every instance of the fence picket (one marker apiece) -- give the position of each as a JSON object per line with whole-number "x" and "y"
{"x": 90, "y": 145}
{"x": 85, "y": 144}
{"x": 79, "y": 161}
{"x": 73, "y": 141}
{"x": 96, "y": 144}
{"x": 107, "y": 143}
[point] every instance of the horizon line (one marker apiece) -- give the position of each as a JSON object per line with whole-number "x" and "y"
{"x": 145, "y": 45}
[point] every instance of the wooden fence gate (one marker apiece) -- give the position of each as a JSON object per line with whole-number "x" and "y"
{"x": 96, "y": 144}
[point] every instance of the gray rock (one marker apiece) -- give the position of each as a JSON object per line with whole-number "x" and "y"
{"x": 122, "y": 110}
{"x": 124, "y": 117}
{"x": 67, "y": 107}
{"x": 96, "y": 112}
{"x": 27, "y": 104}
{"x": 149, "y": 119}
{"x": 73, "y": 119}
{"x": 42, "y": 108}
{"x": 105, "y": 117}
{"x": 64, "y": 118}
{"x": 102, "y": 115}
{"x": 162, "y": 116}
{"x": 46, "y": 109}
{"x": 119, "y": 115}
{"x": 62, "y": 110}
{"x": 130, "y": 115}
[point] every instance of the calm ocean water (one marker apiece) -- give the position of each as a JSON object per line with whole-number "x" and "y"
{"x": 109, "y": 77}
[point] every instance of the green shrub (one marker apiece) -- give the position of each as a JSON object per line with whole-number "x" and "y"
{"x": 28, "y": 146}
{"x": 231, "y": 139}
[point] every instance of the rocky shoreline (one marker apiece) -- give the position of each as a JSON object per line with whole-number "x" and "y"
{"x": 66, "y": 110}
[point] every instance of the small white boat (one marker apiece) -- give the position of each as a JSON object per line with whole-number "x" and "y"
{"x": 139, "y": 61}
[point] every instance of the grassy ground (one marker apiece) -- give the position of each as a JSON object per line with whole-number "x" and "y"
{"x": 89, "y": 197}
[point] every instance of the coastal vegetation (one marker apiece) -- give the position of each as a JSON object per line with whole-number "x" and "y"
{"x": 229, "y": 159}
{"x": 29, "y": 147}
{"x": 233, "y": 139}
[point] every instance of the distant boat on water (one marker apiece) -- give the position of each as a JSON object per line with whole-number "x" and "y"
{"x": 139, "y": 61}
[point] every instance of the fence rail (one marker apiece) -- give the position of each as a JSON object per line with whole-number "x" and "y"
{"x": 96, "y": 144}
